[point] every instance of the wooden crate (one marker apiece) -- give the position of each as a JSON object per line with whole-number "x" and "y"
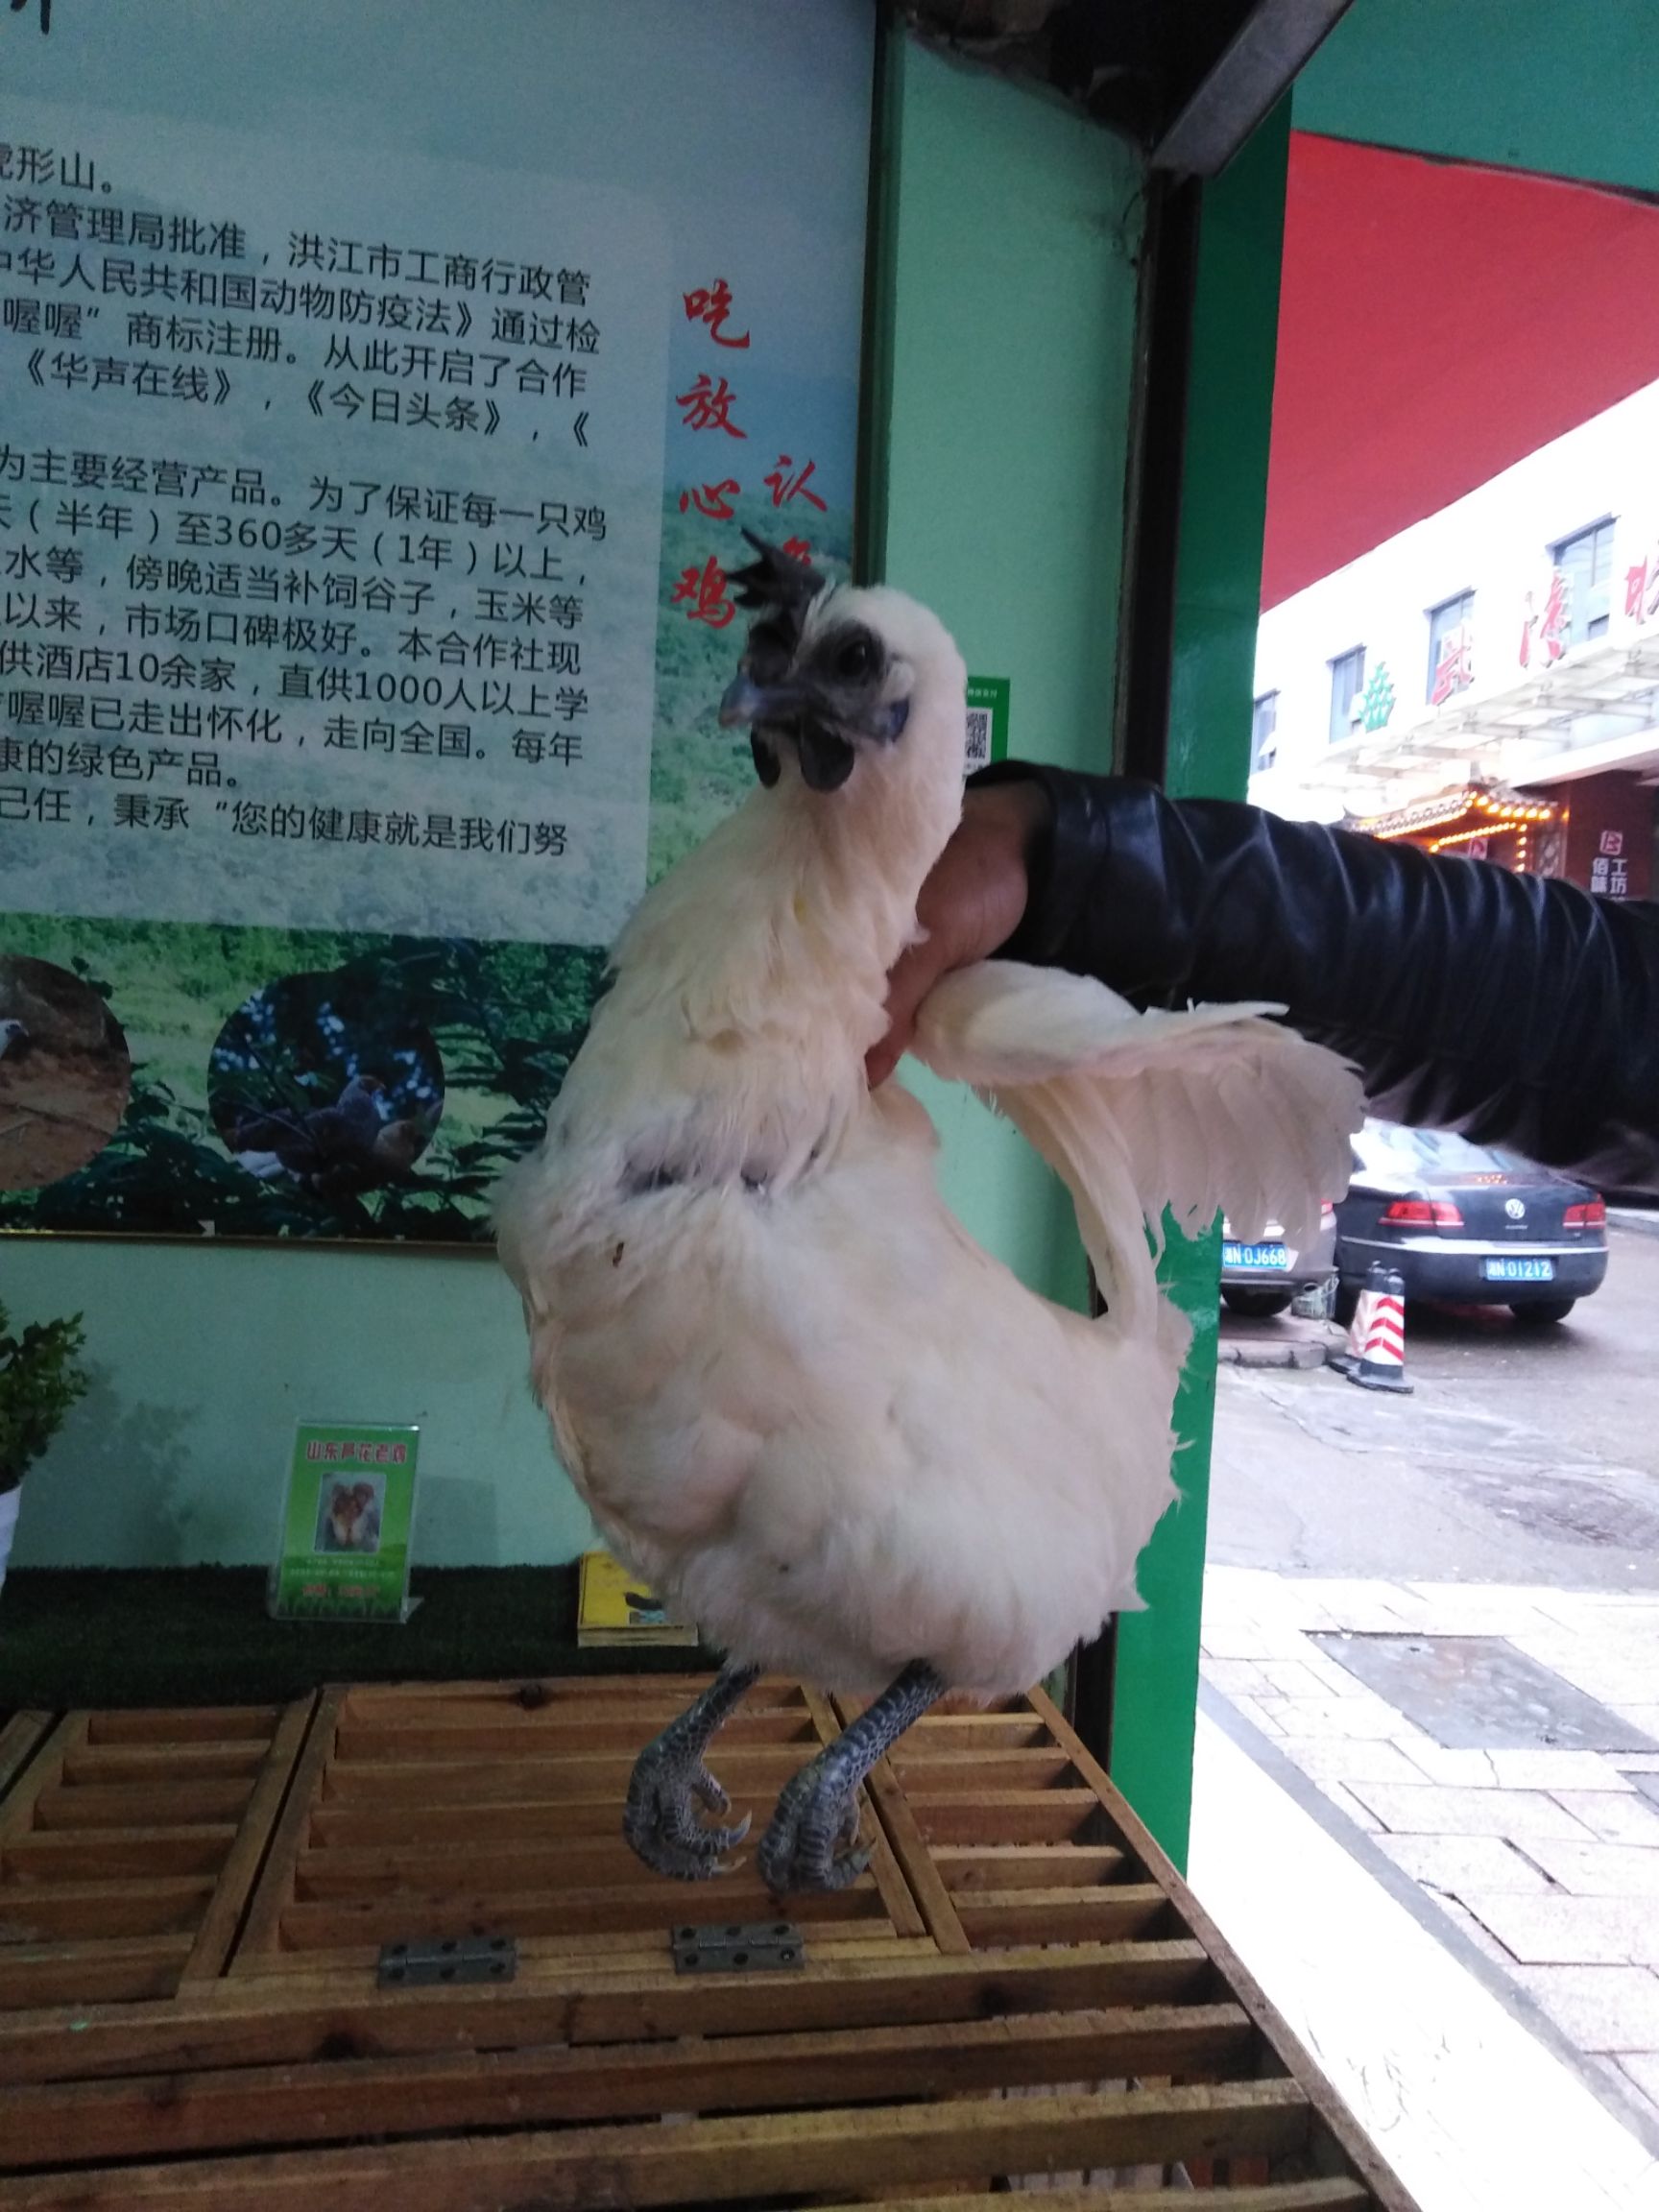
{"x": 1021, "y": 1991}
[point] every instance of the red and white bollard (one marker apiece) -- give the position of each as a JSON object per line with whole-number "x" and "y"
{"x": 1377, "y": 1341}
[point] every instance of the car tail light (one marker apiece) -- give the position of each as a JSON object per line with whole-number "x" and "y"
{"x": 1592, "y": 1214}
{"x": 1423, "y": 1213}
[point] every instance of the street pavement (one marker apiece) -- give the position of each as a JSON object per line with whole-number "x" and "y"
{"x": 1514, "y": 1499}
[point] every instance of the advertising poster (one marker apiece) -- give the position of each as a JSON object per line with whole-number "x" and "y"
{"x": 385, "y": 391}
{"x": 346, "y": 1520}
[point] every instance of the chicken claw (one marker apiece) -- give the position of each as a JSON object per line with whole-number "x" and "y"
{"x": 660, "y": 1820}
{"x": 810, "y": 1842}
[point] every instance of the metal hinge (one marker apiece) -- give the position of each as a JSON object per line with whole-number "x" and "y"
{"x": 732, "y": 1947}
{"x": 463, "y": 1958}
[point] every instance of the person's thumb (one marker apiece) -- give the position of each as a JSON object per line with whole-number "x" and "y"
{"x": 914, "y": 975}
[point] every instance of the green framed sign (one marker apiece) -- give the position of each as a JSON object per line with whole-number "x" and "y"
{"x": 347, "y": 1517}
{"x": 987, "y": 719}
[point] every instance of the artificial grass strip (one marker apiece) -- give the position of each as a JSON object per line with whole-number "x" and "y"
{"x": 201, "y": 1636}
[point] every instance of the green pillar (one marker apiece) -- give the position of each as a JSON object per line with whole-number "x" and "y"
{"x": 1218, "y": 582}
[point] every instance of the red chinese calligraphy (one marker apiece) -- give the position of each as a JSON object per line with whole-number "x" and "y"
{"x": 703, "y": 593}
{"x": 787, "y": 486}
{"x": 1554, "y": 621}
{"x": 712, "y": 500}
{"x": 1551, "y": 626}
{"x": 1642, "y": 589}
{"x": 708, "y": 405}
{"x": 1452, "y": 671}
{"x": 713, "y": 305}
{"x": 799, "y": 549}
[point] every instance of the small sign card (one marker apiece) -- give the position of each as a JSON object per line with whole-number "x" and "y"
{"x": 612, "y": 1608}
{"x": 346, "y": 1521}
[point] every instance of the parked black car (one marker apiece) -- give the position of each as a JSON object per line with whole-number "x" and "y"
{"x": 1466, "y": 1224}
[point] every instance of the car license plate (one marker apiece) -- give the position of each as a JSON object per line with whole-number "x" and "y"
{"x": 1518, "y": 1270}
{"x": 1264, "y": 1256}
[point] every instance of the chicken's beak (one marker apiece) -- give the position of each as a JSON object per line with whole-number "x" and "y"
{"x": 749, "y": 701}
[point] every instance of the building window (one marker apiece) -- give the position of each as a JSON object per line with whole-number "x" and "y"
{"x": 1586, "y": 560}
{"x": 1450, "y": 667}
{"x": 1264, "y": 731}
{"x": 1347, "y": 682}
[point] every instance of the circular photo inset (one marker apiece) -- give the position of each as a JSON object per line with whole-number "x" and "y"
{"x": 65, "y": 1074}
{"x": 315, "y": 1083}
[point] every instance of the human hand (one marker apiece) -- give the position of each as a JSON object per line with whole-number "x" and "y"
{"x": 970, "y": 903}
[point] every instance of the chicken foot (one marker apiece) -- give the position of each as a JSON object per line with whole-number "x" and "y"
{"x": 660, "y": 1819}
{"x": 818, "y": 1808}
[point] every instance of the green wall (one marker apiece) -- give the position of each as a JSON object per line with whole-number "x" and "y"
{"x": 1001, "y": 407}
{"x": 203, "y": 1360}
{"x": 1562, "y": 85}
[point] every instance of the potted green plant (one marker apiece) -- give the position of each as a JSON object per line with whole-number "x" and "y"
{"x": 41, "y": 1379}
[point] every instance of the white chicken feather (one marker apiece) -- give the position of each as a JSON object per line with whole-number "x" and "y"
{"x": 800, "y": 1402}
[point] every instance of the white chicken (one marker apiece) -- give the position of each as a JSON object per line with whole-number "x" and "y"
{"x": 798, "y": 1399}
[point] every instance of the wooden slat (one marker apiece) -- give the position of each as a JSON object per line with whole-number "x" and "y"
{"x": 550, "y": 1911}
{"x": 503, "y": 1869}
{"x": 971, "y": 1866}
{"x": 1011, "y": 1730}
{"x": 184, "y": 1724}
{"x": 538, "y": 1773}
{"x": 1322, "y": 2196}
{"x": 20, "y": 1739}
{"x": 370, "y": 1827}
{"x": 1065, "y": 1916}
{"x": 156, "y": 2115}
{"x": 134, "y": 1805}
{"x": 63, "y": 1911}
{"x": 943, "y": 1773}
{"x": 222, "y": 1918}
{"x": 238, "y": 2022}
{"x": 601, "y": 1958}
{"x": 20, "y": 1807}
{"x": 1002, "y": 1815}
{"x": 556, "y": 1734}
{"x": 102, "y": 1854}
{"x": 273, "y": 1890}
{"x": 739, "y": 2157}
{"x": 163, "y": 1763}
{"x": 589, "y": 1691}
{"x": 117, "y": 1970}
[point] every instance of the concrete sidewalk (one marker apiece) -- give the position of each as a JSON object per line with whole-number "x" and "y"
{"x": 1541, "y": 1864}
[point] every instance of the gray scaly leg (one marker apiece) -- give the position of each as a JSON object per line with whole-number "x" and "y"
{"x": 819, "y": 1808}
{"x": 660, "y": 1820}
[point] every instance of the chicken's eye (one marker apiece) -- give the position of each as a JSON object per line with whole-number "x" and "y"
{"x": 855, "y": 659}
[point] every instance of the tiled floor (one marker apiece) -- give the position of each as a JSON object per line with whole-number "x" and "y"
{"x": 1472, "y": 2110}
{"x": 1547, "y": 1861}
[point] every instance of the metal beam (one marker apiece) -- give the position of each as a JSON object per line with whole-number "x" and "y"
{"x": 1261, "y": 59}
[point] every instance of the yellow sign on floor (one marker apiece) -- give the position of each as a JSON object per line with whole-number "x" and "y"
{"x": 612, "y": 1608}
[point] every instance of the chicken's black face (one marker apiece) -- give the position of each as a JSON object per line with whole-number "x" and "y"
{"x": 807, "y": 680}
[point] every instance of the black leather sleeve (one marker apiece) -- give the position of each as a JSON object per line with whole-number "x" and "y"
{"x": 1519, "y": 1011}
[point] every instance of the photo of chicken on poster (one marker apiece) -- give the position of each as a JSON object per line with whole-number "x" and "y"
{"x": 368, "y": 522}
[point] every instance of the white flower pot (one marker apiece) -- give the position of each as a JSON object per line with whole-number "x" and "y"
{"x": 9, "y": 1501}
